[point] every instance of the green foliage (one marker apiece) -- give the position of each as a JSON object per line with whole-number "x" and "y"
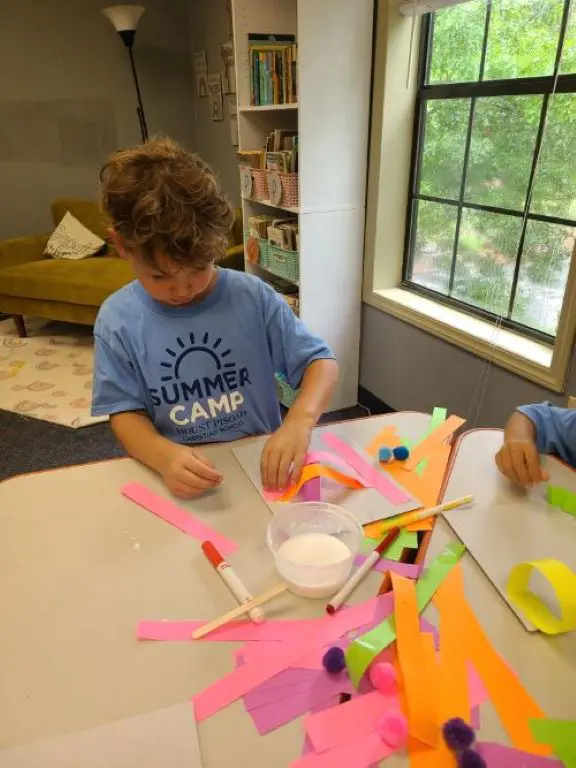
{"x": 522, "y": 41}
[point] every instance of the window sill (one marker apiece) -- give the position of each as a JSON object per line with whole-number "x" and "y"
{"x": 528, "y": 358}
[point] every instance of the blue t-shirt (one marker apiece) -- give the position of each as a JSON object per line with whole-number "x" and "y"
{"x": 555, "y": 430}
{"x": 203, "y": 372}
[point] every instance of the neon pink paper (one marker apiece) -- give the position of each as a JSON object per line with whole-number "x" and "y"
{"x": 178, "y": 517}
{"x": 238, "y": 682}
{"x": 499, "y": 756}
{"x": 346, "y": 722}
{"x": 476, "y": 690}
{"x": 276, "y": 714}
{"x": 325, "y": 457}
{"x": 475, "y": 718}
{"x": 374, "y": 477}
{"x": 359, "y": 753}
{"x": 288, "y": 683}
{"x": 276, "y": 630}
{"x": 408, "y": 570}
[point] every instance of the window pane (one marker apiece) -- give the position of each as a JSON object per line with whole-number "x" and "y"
{"x": 522, "y": 38}
{"x": 568, "y": 61}
{"x": 434, "y": 244}
{"x": 485, "y": 259}
{"x": 554, "y": 191}
{"x": 457, "y": 38}
{"x": 543, "y": 274}
{"x": 502, "y": 148}
{"x": 446, "y": 123}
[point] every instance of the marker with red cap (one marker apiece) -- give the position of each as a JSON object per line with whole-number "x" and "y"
{"x": 231, "y": 580}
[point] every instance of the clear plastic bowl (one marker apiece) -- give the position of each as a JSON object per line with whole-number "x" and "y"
{"x": 308, "y": 578}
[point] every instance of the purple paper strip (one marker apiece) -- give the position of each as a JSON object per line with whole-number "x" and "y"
{"x": 500, "y": 756}
{"x": 408, "y": 570}
{"x": 311, "y": 491}
{"x": 274, "y": 715}
{"x": 264, "y": 696}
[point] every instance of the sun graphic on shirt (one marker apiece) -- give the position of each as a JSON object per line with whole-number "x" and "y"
{"x": 205, "y": 347}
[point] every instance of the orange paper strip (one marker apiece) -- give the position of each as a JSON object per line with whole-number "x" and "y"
{"x": 425, "y": 448}
{"x": 318, "y": 470}
{"x": 387, "y": 437}
{"x": 417, "y": 661}
{"x": 512, "y": 702}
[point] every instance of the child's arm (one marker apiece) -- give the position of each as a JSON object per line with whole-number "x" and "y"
{"x": 186, "y": 471}
{"x": 518, "y": 459}
{"x": 288, "y": 446}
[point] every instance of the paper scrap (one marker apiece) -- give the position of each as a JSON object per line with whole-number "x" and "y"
{"x": 438, "y": 417}
{"x": 563, "y": 582}
{"x": 363, "y": 650}
{"x": 501, "y": 756}
{"x": 234, "y": 685}
{"x": 562, "y": 498}
{"x": 560, "y": 735}
{"x": 334, "y": 461}
{"x": 432, "y": 441}
{"x": 359, "y": 753}
{"x": 288, "y": 683}
{"x": 415, "y": 663}
{"x": 405, "y": 540}
{"x": 182, "y": 519}
{"x": 312, "y": 490}
{"x": 512, "y": 703}
{"x": 409, "y": 570}
{"x": 311, "y": 472}
{"x": 370, "y": 474}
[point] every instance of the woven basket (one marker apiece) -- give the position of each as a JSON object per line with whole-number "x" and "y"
{"x": 285, "y": 193}
{"x": 259, "y": 184}
{"x": 283, "y": 263}
{"x": 256, "y": 249}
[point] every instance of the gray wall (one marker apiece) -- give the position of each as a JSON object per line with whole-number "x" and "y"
{"x": 410, "y": 369}
{"x": 208, "y": 29}
{"x": 67, "y": 99}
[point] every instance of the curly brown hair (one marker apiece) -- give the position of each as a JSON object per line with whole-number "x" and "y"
{"x": 159, "y": 197}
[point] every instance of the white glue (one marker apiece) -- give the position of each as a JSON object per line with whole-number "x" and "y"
{"x": 314, "y": 564}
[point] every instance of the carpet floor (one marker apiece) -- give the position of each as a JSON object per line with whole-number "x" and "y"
{"x": 31, "y": 445}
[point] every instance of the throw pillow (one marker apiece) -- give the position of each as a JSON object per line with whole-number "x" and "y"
{"x": 72, "y": 240}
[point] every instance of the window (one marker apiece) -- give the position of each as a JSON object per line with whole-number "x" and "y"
{"x": 491, "y": 221}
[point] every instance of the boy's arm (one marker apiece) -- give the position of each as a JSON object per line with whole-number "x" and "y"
{"x": 518, "y": 459}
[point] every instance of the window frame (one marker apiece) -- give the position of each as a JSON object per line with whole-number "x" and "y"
{"x": 542, "y": 86}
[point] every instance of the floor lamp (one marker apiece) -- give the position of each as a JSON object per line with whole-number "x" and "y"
{"x": 125, "y": 19}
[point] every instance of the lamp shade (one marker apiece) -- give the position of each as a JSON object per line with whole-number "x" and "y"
{"x": 125, "y": 18}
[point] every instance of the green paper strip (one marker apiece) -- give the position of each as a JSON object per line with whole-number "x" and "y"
{"x": 555, "y": 495}
{"x": 406, "y": 540}
{"x": 560, "y": 735}
{"x": 569, "y": 504}
{"x": 362, "y": 651}
{"x": 438, "y": 417}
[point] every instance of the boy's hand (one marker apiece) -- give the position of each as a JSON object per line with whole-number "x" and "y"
{"x": 187, "y": 473}
{"x": 284, "y": 454}
{"x": 519, "y": 461}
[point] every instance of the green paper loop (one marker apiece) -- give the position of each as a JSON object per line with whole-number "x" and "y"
{"x": 362, "y": 651}
{"x": 555, "y": 495}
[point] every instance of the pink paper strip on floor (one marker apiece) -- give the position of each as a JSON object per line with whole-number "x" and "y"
{"x": 234, "y": 685}
{"x": 374, "y": 477}
{"x": 178, "y": 517}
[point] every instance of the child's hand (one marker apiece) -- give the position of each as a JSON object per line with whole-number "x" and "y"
{"x": 284, "y": 454}
{"x": 187, "y": 473}
{"x": 518, "y": 460}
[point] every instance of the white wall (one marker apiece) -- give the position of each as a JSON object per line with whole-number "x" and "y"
{"x": 67, "y": 99}
{"x": 208, "y": 30}
{"x": 410, "y": 369}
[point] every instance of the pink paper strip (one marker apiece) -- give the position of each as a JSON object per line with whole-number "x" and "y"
{"x": 500, "y": 756}
{"x": 238, "y": 682}
{"x": 355, "y": 754}
{"x": 289, "y": 683}
{"x": 374, "y": 477}
{"x": 409, "y": 570}
{"x": 312, "y": 490}
{"x": 276, "y": 714}
{"x": 275, "y": 630}
{"x": 346, "y": 722}
{"x": 178, "y": 517}
{"x": 475, "y": 718}
{"x": 325, "y": 457}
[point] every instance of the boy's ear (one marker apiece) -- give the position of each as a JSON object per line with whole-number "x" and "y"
{"x": 117, "y": 242}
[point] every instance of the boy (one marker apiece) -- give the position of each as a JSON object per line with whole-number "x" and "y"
{"x": 530, "y": 431}
{"x": 186, "y": 354}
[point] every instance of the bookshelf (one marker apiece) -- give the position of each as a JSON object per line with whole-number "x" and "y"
{"x": 334, "y": 39}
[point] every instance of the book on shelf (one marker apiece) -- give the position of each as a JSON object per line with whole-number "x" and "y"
{"x": 273, "y": 69}
{"x": 253, "y": 158}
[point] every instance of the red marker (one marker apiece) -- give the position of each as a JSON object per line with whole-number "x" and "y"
{"x": 231, "y": 580}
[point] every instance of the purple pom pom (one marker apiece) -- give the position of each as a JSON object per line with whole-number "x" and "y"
{"x": 471, "y": 759}
{"x": 458, "y": 735}
{"x": 333, "y": 660}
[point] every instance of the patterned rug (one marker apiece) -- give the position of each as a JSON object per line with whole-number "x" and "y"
{"x": 47, "y": 376}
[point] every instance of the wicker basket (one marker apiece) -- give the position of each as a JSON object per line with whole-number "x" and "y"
{"x": 286, "y": 395}
{"x": 283, "y": 263}
{"x": 259, "y": 184}
{"x": 256, "y": 249}
{"x": 283, "y": 189}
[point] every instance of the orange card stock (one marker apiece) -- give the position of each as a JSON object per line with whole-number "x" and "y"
{"x": 425, "y": 448}
{"x": 417, "y": 662}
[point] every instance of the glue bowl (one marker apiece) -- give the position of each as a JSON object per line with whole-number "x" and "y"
{"x": 314, "y": 545}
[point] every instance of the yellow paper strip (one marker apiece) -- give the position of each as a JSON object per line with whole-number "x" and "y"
{"x": 563, "y": 582}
